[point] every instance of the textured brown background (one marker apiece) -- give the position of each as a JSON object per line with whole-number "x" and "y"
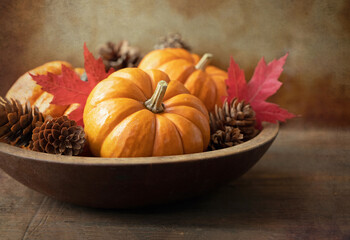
{"x": 298, "y": 190}
{"x": 315, "y": 33}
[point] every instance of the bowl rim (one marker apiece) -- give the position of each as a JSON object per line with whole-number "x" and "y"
{"x": 268, "y": 133}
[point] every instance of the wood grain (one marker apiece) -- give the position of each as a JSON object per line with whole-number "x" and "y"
{"x": 299, "y": 190}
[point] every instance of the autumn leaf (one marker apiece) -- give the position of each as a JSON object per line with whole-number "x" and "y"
{"x": 67, "y": 88}
{"x": 263, "y": 84}
{"x": 237, "y": 86}
{"x": 94, "y": 68}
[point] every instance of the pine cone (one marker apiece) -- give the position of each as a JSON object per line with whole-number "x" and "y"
{"x": 172, "y": 40}
{"x": 59, "y": 136}
{"x": 17, "y": 121}
{"x": 236, "y": 114}
{"x": 119, "y": 55}
{"x": 231, "y": 136}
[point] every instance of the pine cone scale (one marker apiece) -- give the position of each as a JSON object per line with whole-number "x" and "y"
{"x": 225, "y": 138}
{"x": 66, "y": 125}
{"x": 3, "y": 118}
{"x": 25, "y": 119}
{"x": 27, "y": 130}
{"x": 51, "y": 139}
{"x": 56, "y": 126}
{"x": 4, "y": 129}
{"x": 172, "y": 40}
{"x": 42, "y": 143}
{"x": 76, "y": 147}
{"x": 56, "y": 143}
{"x": 119, "y": 55}
{"x": 107, "y": 52}
{"x": 58, "y": 136}
{"x": 68, "y": 144}
{"x": 55, "y": 133}
{"x": 12, "y": 118}
{"x": 17, "y": 121}
{"x": 227, "y": 120}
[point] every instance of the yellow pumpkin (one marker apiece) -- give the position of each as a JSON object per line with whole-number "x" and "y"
{"x": 25, "y": 88}
{"x": 136, "y": 113}
{"x": 205, "y": 82}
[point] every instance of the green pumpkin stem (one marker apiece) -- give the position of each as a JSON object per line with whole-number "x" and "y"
{"x": 204, "y": 61}
{"x": 155, "y": 103}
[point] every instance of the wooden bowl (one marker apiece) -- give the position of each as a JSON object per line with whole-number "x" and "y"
{"x": 132, "y": 182}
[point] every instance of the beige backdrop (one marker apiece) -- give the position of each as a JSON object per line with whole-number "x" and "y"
{"x": 315, "y": 33}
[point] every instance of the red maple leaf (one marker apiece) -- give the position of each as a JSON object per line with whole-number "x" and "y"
{"x": 67, "y": 87}
{"x": 263, "y": 84}
{"x": 94, "y": 68}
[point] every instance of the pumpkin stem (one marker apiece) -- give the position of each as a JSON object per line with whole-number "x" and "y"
{"x": 204, "y": 61}
{"x": 155, "y": 104}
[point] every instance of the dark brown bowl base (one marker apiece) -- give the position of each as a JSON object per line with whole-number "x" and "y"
{"x": 124, "y": 183}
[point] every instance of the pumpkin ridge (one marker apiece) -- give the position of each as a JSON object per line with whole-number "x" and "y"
{"x": 175, "y": 88}
{"x": 158, "y": 118}
{"x": 171, "y": 53}
{"x": 196, "y": 110}
{"x": 184, "y": 75}
{"x": 147, "y": 65}
{"x": 155, "y": 131}
{"x": 139, "y": 77}
{"x": 125, "y": 79}
{"x": 178, "y": 132}
{"x": 174, "y": 51}
{"x": 195, "y": 75}
{"x": 155, "y": 77}
{"x": 117, "y": 125}
{"x": 119, "y": 98}
{"x": 193, "y": 125}
{"x": 215, "y": 74}
{"x": 168, "y": 110}
{"x": 112, "y": 79}
{"x": 211, "y": 86}
{"x": 174, "y": 103}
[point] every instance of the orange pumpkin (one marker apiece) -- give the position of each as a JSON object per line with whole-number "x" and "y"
{"x": 25, "y": 88}
{"x": 205, "y": 82}
{"x": 133, "y": 113}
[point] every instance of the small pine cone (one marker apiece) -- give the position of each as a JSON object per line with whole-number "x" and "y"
{"x": 58, "y": 136}
{"x": 236, "y": 114}
{"x": 119, "y": 55}
{"x": 172, "y": 40}
{"x": 17, "y": 121}
{"x": 229, "y": 137}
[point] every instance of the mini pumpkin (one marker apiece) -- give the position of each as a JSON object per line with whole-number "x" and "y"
{"x": 136, "y": 113}
{"x": 25, "y": 88}
{"x": 205, "y": 82}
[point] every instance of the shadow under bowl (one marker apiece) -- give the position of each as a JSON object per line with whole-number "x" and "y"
{"x": 132, "y": 182}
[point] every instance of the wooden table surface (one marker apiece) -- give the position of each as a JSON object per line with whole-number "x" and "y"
{"x": 300, "y": 189}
